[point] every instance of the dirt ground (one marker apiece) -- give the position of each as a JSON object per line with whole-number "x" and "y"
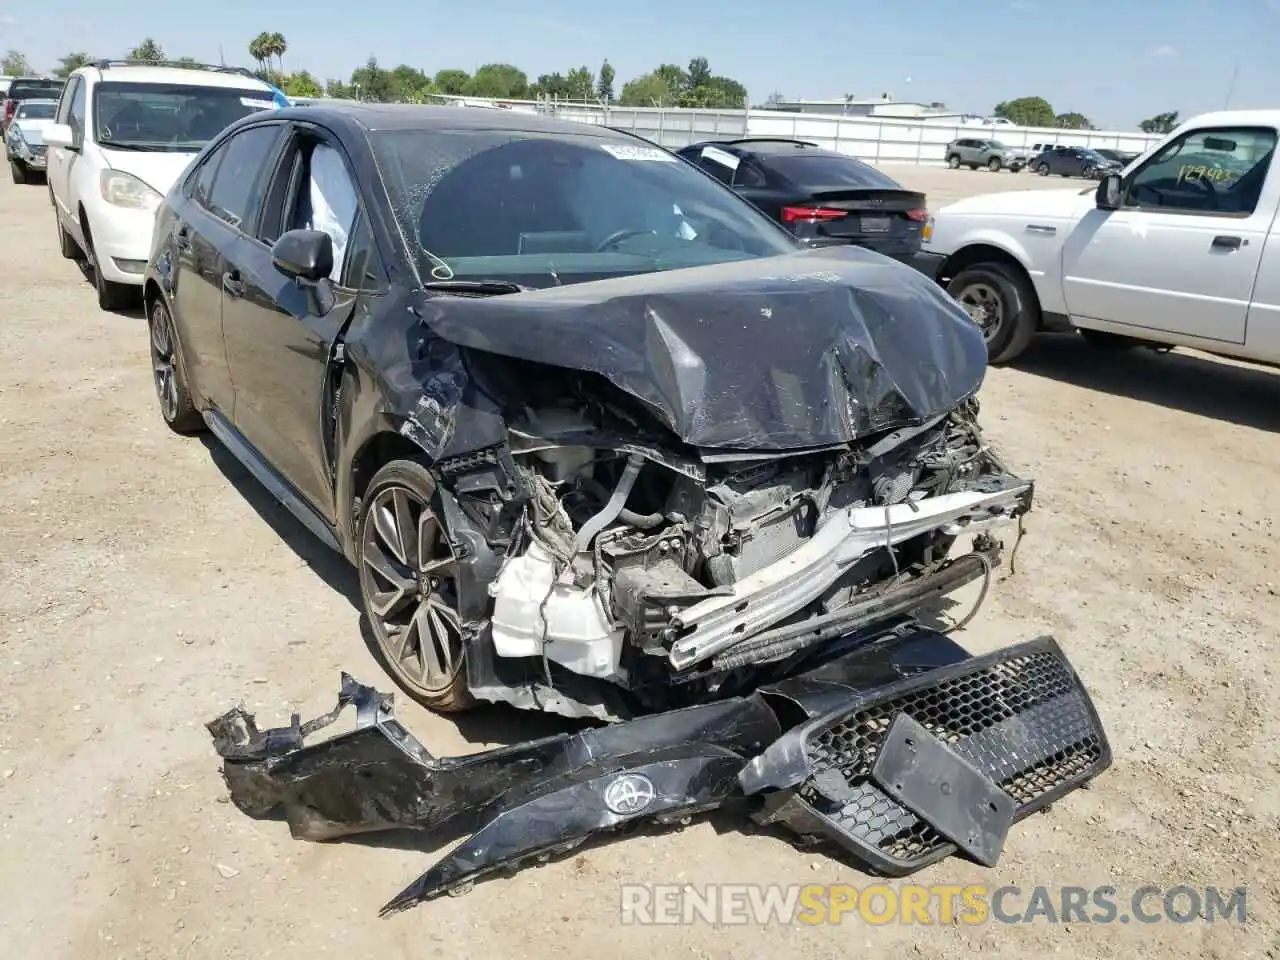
{"x": 146, "y": 584}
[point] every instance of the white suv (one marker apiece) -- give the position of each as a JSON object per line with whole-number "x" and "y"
{"x": 123, "y": 133}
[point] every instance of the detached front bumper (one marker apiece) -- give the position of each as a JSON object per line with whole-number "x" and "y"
{"x": 987, "y": 740}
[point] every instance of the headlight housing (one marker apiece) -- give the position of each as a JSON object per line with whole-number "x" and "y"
{"x": 125, "y": 190}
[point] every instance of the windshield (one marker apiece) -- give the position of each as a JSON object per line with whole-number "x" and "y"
{"x": 825, "y": 170}
{"x": 995, "y": 144}
{"x": 502, "y": 205}
{"x": 169, "y": 116}
{"x": 36, "y": 111}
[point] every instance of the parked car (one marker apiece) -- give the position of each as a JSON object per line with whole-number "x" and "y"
{"x": 123, "y": 132}
{"x": 1182, "y": 249}
{"x": 471, "y": 350}
{"x": 1122, "y": 157}
{"x": 820, "y": 196}
{"x": 24, "y": 141}
{"x": 1073, "y": 162}
{"x": 974, "y": 153}
{"x": 28, "y": 88}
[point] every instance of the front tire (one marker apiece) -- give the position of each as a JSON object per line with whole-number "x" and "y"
{"x": 176, "y": 406}
{"x": 994, "y": 164}
{"x": 1043, "y": 169}
{"x": 1002, "y": 303}
{"x": 66, "y": 243}
{"x": 409, "y": 586}
{"x": 111, "y": 296}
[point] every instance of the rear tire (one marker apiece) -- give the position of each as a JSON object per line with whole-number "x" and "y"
{"x": 176, "y": 406}
{"x": 1011, "y": 312}
{"x": 953, "y": 162}
{"x": 19, "y": 171}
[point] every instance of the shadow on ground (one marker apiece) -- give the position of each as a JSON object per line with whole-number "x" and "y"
{"x": 1220, "y": 389}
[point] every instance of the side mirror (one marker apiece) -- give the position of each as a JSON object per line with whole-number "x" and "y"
{"x": 1110, "y": 189}
{"x": 59, "y": 135}
{"x": 304, "y": 255}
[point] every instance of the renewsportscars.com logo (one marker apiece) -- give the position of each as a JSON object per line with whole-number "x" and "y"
{"x": 880, "y": 904}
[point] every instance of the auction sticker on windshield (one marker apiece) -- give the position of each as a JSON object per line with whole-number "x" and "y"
{"x": 628, "y": 152}
{"x": 259, "y": 104}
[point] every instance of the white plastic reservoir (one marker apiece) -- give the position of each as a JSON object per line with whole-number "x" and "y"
{"x": 578, "y": 634}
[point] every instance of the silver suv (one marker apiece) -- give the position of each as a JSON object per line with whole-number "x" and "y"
{"x": 974, "y": 153}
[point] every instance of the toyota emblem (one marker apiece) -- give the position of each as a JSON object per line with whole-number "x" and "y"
{"x": 629, "y": 793}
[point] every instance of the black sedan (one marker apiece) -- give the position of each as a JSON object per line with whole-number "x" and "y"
{"x": 821, "y": 196}
{"x": 1074, "y": 162}
{"x": 567, "y": 404}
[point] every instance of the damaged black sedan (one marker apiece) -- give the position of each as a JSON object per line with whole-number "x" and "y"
{"x": 600, "y": 439}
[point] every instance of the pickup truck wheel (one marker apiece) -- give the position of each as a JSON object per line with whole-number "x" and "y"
{"x": 953, "y": 162}
{"x": 994, "y": 164}
{"x": 1002, "y": 303}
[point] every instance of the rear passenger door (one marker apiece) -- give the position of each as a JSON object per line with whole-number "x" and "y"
{"x": 220, "y": 192}
{"x": 280, "y": 334}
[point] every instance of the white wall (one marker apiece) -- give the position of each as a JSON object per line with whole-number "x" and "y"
{"x": 869, "y": 138}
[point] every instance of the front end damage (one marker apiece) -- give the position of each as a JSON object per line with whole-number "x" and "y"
{"x": 896, "y": 752}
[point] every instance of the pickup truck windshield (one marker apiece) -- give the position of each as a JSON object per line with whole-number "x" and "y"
{"x": 161, "y": 117}
{"x": 515, "y": 206}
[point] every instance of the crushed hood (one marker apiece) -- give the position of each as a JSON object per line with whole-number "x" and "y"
{"x": 809, "y": 349}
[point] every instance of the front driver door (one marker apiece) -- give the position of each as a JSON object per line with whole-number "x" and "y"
{"x": 1182, "y": 253}
{"x": 280, "y": 334}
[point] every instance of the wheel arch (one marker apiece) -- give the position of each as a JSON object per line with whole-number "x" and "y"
{"x": 370, "y": 454}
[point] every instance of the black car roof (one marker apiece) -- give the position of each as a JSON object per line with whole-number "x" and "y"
{"x": 372, "y": 117}
{"x": 770, "y": 147}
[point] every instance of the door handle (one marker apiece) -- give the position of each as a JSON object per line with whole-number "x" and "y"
{"x": 1227, "y": 243}
{"x": 232, "y": 283}
{"x": 182, "y": 238}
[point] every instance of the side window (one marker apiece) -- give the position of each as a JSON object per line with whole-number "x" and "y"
{"x": 363, "y": 269}
{"x": 748, "y": 175}
{"x": 1217, "y": 171}
{"x": 200, "y": 183}
{"x": 719, "y": 163}
{"x": 64, "y": 102}
{"x": 75, "y": 113}
{"x": 241, "y": 175}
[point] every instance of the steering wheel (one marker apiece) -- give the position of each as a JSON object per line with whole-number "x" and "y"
{"x": 1208, "y": 186}
{"x": 618, "y": 236}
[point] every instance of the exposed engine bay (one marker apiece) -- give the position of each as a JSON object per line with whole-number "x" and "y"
{"x": 635, "y": 579}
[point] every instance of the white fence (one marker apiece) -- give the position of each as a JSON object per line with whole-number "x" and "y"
{"x": 874, "y": 140}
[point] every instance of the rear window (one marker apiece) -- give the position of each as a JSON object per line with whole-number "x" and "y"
{"x": 828, "y": 170}
{"x": 36, "y": 111}
{"x": 31, "y": 89}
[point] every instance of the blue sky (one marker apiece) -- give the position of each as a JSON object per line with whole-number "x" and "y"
{"x": 1117, "y": 62}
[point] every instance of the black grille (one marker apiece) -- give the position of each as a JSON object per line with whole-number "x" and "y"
{"x": 1021, "y": 716}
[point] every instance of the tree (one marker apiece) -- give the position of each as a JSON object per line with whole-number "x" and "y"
{"x": 301, "y": 84}
{"x": 1027, "y": 111}
{"x": 1160, "y": 123}
{"x": 553, "y": 86}
{"x": 278, "y": 47}
{"x": 410, "y": 85}
{"x": 699, "y": 72}
{"x": 604, "y": 84}
{"x": 1073, "y": 121}
{"x": 147, "y": 50}
{"x": 498, "y": 81}
{"x": 373, "y": 83}
{"x": 581, "y": 83}
{"x": 648, "y": 90}
{"x": 69, "y": 64}
{"x": 258, "y": 50}
{"x": 453, "y": 82}
{"x": 16, "y": 64}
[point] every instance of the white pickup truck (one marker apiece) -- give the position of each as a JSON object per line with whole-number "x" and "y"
{"x": 1182, "y": 248}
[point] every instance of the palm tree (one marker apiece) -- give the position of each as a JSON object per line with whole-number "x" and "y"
{"x": 258, "y": 49}
{"x": 279, "y": 46}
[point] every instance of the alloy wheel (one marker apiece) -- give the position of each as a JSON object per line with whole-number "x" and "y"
{"x": 983, "y": 304}
{"x": 411, "y": 585}
{"x": 164, "y": 361}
